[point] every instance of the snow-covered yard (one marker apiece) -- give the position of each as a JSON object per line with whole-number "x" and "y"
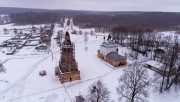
{"x": 22, "y": 83}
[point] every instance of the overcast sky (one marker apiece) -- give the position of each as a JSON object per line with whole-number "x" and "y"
{"x": 100, "y": 5}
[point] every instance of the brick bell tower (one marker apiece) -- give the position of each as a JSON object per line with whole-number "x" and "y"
{"x": 68, "y": 67}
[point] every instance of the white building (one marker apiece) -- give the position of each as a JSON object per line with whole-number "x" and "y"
{"x": 109, "y": 52}
{"x": 108, "y": 47}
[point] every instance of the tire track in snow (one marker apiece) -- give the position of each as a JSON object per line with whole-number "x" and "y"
{"x": 20, "y": 91}
{"x": 16, "y": 93}
{"x": 19, "y": 58}
{"x": 68, "y": 86}
{"x": 31, "y": 69}
{"x": 13, "y": 93}
{"x": 103, "y": 75}
{"x": 71, "y": 85}
{"x": 37, "y": 93}
{"x": 67, "y": 92}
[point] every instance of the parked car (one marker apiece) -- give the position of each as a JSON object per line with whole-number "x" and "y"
{"x": 42, "y": 73}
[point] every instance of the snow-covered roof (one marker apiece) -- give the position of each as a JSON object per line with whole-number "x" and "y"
{"x": 115, "y": 56}
{"x": 154, "y": 63}
{"x": 41, "y": 45}
{"x": 109, "y": 44}
{"x": 8, "y": 50}
{"x": 33, "y": 42}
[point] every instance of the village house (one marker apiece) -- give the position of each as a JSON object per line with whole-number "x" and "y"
{"x": 41, "y": 47}
{"x": 9, "y": 50}
{"x": 109, "y": 53}
{"x": 68, "y": 69}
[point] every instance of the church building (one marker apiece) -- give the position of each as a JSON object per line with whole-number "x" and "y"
{"x": 68, "y": 68}
{"x": 109, "y": 52}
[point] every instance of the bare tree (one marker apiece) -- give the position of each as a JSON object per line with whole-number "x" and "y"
{"x": 86, "y": 38}
{"x": 133, "y": 84}
{"x": 41, "y": 29}
{"x": 98, "y": 92}
{"x": 68, "y": 22}
{"x": 15, "y": 31}
{"x": 6, "y": 31}
{"x": 92, "y": 32}
{"x": 2, "y": 69}
{"x": 80, "y": 32}
{"x": 170, "y": 60}
{"x": 171, "y": 66}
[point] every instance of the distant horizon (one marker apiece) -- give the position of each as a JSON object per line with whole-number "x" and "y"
{"x": 87, "y": 10}
{"x": 97, "y": 5}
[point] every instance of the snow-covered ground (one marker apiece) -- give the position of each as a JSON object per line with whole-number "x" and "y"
{"x": 22, "y": 83}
